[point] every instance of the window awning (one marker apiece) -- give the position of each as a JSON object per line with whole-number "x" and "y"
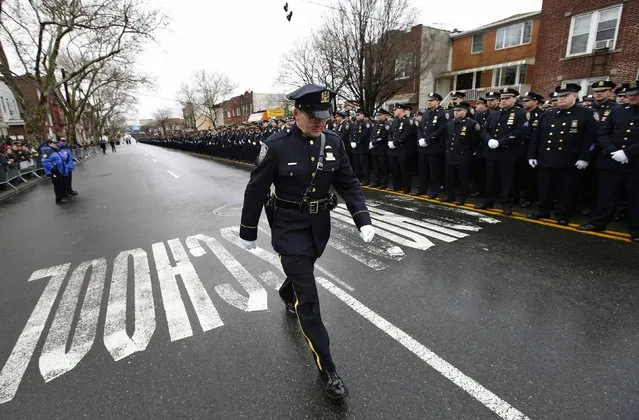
{"x": 530, "y": 60}
{"x": 256, "y": 116}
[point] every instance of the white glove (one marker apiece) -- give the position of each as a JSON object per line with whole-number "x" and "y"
{"x": 247, "y": 245}
{"x": 391, "y": 145}
{"x": 493, "y": 144}
{"x": 422, "y": 142}
{"x": 532, "y": 162}
{"x": 371, "y": 146}
{"x": 367, "y": 232}
{"x": 619, "y": 156}
{"x": 581, "y": 164}
{"x": 353, "y": 145}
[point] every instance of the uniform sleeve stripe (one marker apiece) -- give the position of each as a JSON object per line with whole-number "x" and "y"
{"x": 361, "y": 211}
{"x": 248, "y": 227}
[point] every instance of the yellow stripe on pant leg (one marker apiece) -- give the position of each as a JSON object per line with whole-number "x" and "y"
{"x": 317, "y": 358}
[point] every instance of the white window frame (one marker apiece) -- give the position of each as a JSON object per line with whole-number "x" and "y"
{"x": 592, "y": 32}
{"x": 472, "y": 43}
{"x": 497, "y": 75}
{"x": 521, "y": 38}
{"x": 406, "y": 61}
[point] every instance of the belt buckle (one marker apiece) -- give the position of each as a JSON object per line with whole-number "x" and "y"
{"x": 313, "y": 207}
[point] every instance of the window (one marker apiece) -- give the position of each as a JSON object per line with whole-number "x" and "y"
{"x": 478, "y": 43}
{"x": 594, "y": 31}
{"x": 512, "y": 75}
{"x": 404, "y": 66}
{"x": 464, "y": 81}
{"x": 513, "y": 35}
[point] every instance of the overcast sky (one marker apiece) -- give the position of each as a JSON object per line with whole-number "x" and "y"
{"x": 246, "y": 38}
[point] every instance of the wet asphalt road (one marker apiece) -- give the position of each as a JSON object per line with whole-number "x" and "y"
{"x": 450, "y": 314}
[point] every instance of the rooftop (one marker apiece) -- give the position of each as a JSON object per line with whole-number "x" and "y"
{"x": 512, "y": 19}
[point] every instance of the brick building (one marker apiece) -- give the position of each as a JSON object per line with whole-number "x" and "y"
{"x": 55, "y": 125}
{"x": 423, "y": 55}
{"x": 500, "y": 54}
{"x": 239, "y": 108}
{"x": 584, "y": 41}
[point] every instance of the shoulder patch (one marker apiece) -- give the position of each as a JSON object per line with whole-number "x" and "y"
{"x": 447, "y": 116}
{"x": 477, "y": 127}
{"x": 596, "y": 115}
{"x": 262, "y": 155}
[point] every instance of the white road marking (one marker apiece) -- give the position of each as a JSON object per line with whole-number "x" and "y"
{"x": 154, "y": 161}
{"x": 116, "y": 338}
{"x": 174, "y": 175}
{"x": 257, "y": 297}
{"x": 16, "y": 365}
{"x": 176, "y": 316}
{"x": 54, "y": 359}
{"x": 450, "y": 372}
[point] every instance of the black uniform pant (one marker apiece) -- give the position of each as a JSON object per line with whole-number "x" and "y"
{"x": 502, "y": 172}
{"x": 558, "y": 185}
{"x": 526, "y": 184}
{"x": 430, "y": 169}
{"x": 608, "y": 193}
{"x": 380, "y": 170}
{"x": 300, "y": 287}
{"x": 113, "y": 147}
{"x": 400, "y": 168}
{"x": 361, "y": 167}
{"x": 478, "y": 175}
{"x": 458, "y": 180}
{"x": 59, "y": 186}
{"x": 67, "y": 182}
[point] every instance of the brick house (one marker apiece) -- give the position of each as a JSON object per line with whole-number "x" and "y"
{"x": 55, "y": 125}
{"x": 500, "y": 54}
{"x": 423, "y": 55}
{"x": 584, "y": 41}
{"x": 239, "y": 108}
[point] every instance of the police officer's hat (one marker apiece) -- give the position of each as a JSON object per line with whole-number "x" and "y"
{"x": 383, "y": 111}
{"x": 402, "y": 105}
{"x": 587, "y": 98}
{"x": 463, "y": 105}
{"x": 481, "y": 100}
{"x": 492, "y": 95}
{"x": 553, "y": 96}
{"x": 359, "y": 111}
{"x": 568, "y": 88}
{"x": 340, "y": 112}
{"x": 458, "y": 94}
{"x": 546, "y": 105}
{"x": 632, "y": 89}
{"x": 314, "y": 100}
{"x": 508, "y": 93}
{"x": 620, "y": 91}
{"x": 603, "y": 85}
{"x": 527, "y": 96}
{"x": 434, "y": 96}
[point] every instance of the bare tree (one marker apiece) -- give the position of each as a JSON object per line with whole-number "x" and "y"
{"x": 35, "y": 33}
{"x": 205, "y": 93}
{"x": 356, "y": 52}
{"x": 162, "y": 117}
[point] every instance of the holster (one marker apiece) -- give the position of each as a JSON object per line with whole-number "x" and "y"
{"x": 269, "y": 208}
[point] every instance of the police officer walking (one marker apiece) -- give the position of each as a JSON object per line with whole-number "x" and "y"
{"x": 618, "y": 165}
{"x": 303, "y": 162}
{"x": 430, "y": 147}
{"x": 560, "y": 151}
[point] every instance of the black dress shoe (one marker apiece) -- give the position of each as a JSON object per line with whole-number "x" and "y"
{"x": 460, "y": 202}
{"x": 73, "y": 192}
{"x": 485, "y": 205}
{"x": 334, "y": 386}
{"x": 447, "y": 199}
{"x": 375, "y": 186}
{"x": 58, "y": 201}
{"x": 636, "y": 240}
{"x": 589, "y": 227}
{"x": 383, "y": 187}
{"x": 525, "y": 204}
{"x": 290, "y": 310}
{"x": 508, "y": 211}
{"x": 537, "y": 216}
{"x": 563, "y": 222}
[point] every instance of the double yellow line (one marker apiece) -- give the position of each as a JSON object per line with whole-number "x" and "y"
{"x": 608, "y": 234}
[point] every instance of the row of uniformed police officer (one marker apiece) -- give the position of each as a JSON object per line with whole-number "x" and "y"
{"x": 499, "y": 150}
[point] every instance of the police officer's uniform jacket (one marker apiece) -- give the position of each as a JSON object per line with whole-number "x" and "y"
{"x": 403, "y": 132}
{"x": 360, "y": 134}
{"x": 379, "y": 136}
{"x": 287, "y": 160}
{"x": 563, "y": 137}
{"x": 463, "y": 136}
{"x": 531, "y": 126}
{"x": 507, "y": 127}
{"x": 67, "y": 157}
{"x": 433, "y": 130}
{"x": 603, "y": 109}
{"x": 620, "y": 131}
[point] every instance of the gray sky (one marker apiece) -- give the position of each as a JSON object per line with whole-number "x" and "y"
{"x": 246, "y": 38}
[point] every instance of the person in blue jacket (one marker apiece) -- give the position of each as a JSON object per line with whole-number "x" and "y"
{"x": 54, "y": 167}
{"x": 67, "y": 158}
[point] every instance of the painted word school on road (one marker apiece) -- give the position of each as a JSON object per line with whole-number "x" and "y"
{"x": 63, "y": 349}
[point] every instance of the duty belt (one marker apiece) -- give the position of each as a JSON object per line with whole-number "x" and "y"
{"x": 313, "y": 207}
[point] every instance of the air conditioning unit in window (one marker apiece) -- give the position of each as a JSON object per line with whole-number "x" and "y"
{"x": 603, "y": 45}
